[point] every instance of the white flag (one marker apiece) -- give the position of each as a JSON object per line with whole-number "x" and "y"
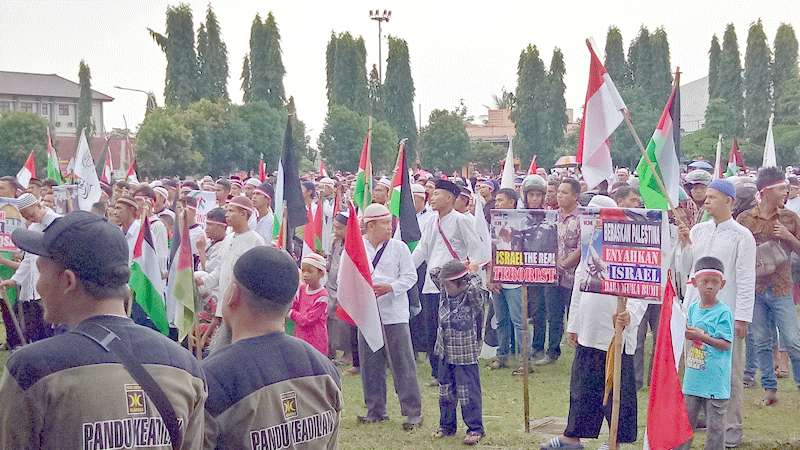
{"x": 718, "y": 161}
{"x": 769, "y": 148}
{"x": 508, "y": 168}
{"x": 88, "y": 183}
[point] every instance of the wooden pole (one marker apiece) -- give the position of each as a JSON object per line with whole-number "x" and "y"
{"x": 622, "y": 303}
{"x": 526, "y": 347}
{"x": 13, "y": 317}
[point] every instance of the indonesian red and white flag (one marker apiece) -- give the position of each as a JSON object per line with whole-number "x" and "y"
{"x": 108, "y": 168}
{"x": 355, "y": 295}
{"x": 603, "y": 111}
{"x": 323, "y": 172}
{"x": 131, "y": 176}
{"x": 532, "y": 168}
{"x": 27, "y": 172}
{"x": 667, "y": 421}
{"x": 262, "y": 169}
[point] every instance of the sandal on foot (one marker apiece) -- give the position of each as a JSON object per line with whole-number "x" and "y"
{"x": 556, "y": 443}
{"x": 770, "y": 398}
{"x": 472, "y": 438}
{"x": 494, "y": 365}
{"x": 520, "y": 370}
{"x": 440, "y": 433}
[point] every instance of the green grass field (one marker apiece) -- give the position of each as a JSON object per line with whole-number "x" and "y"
{"x": 776, "y": 427}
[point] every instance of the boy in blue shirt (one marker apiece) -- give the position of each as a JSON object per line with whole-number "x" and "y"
{"x": 709, "y": 332}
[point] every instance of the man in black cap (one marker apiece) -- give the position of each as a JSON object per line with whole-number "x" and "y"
{"x": 268, "y": 389}
{"x": 89, "y": 387}
{"x": 451, "y": 235}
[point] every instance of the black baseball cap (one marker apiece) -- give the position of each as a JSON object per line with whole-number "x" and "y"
{"x": 83, "y": 242}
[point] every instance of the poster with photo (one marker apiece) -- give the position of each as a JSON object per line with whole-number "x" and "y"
{"x": 623, "y": 252}
{"x": 524, "y": 246}
{"x": 66, "y": 198}
{"x": 10, "y": 220}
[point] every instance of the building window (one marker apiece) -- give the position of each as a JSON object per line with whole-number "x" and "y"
{"x": 63, "y": 110}
{"x": 70, "y": 125}
{"x": 45, "y": 109}
{"x": 26, "y": 107}
{"x": 5, "y": 106}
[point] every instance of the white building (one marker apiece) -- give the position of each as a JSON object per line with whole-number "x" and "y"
{"x": 694, "y": 100}
{"x": 50, "y": 96}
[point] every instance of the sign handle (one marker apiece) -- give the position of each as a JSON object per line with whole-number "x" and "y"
{"x": 14, "y": 316}
{"x": 526, "y": 347}
{"x": 622, "y": 303}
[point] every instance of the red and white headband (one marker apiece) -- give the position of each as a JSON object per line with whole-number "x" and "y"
{"x": 709, "y": 272}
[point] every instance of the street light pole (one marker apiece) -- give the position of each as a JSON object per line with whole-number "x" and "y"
{"x": 380, "y": 17}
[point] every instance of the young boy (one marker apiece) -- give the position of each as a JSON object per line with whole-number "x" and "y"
{"x": 707, "y": 380}
{"x": 310, "y": 309}
{"x": 458, "y": 344}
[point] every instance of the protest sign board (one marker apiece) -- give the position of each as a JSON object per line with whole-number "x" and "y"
{"x": 524, "y": 246}
{"x": 206, "y": 201}
{"x": 623, "y": 252}
{"x": 66, "y": 198}
{"x": 10, "y": 220}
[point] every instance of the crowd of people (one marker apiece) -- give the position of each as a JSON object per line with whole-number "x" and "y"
{"x": 273, "y": 341}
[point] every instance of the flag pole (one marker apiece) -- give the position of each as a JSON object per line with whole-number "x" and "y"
{"x": 622, "y": 303}
{"x": 13, "y": 316}
{"x": 645, "y": 156}
{"x": 525, "y": 362}
{"x": 367, "y": 173}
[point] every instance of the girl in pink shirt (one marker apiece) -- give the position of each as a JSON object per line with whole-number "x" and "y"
{"x": 310, "y": 309}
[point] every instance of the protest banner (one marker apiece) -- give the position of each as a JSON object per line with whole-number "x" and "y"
{"x": 206, "y": 201}
{"x": 524, "y": 245}
{"x": 10, "y": 220}
{"x": 623, "y": 252}
{"x": 65, "y": 198}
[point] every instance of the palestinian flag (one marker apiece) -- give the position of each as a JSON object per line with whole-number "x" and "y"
{"x": 53, "y": 169}
{"x": 181, "y": 292}
{"x": 363, "y": 193}
{"x": 401, "y": 204}
{"x": 146, "y": 282}
{"x": 356, "y": 297}
{"x": 662, "y": 151}
{"x": 736, "y": 163}
{"x": 287, "y": 190}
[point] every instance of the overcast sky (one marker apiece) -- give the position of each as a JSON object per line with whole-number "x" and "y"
{"x": 458, "y": 49}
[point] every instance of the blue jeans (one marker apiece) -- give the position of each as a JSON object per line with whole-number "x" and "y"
{"x": 771, "y": 309}
{"x": 508, "y": 312}
{"x": 549, "y": 314}
{"x": 460, "y": 385}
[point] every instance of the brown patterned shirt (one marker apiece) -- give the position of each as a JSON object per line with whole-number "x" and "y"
{"x": 762, "y": 228}
{"x": 569, "y": 237}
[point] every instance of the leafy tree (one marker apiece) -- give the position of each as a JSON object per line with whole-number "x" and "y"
{"x": 257, "y": 60}
{"x": 245, "y": 77}
{"x": 784, "y": 66}
{"x": 757, "y": 102}
{"x": 348, "y": 86}
{"x": 505, "y": 100}
{"x": 398, "y": 93}
{"x": 730, "y": 78}
{"x": 640, "y": 59}
{"x": 720, "y": 118}
{"x": 661, "y": 83}
{"x": 486, "y": 155}
{"x": 530, "y": 114}
{"x": 444, "y": 143}
{"x": 266, "y": 126}
{"x": 212, "y": 60}
{"x": 164, "y": 146}
{"x": 701, "y": 143}
{"x": 615, "y": 59}
{"x": 343, "y": 136}
{"x": 644, "y": 115}
{"x": 787, "y": 106}
{"x": 301, "y": 140}
{"x": 330, "y": 55}
{"x": 84, "y": 121}
{"x": 21, "y": 132}
{"x": 180, "y": 87}
{"x": 714, "y": 55}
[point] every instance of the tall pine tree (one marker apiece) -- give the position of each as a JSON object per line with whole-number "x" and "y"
{"x": 257, "y": 62}
{"x": 714, "y": 55}
{"x": 757, "y": 104}
{"x": 784, "y": 66}
{"x": 330, "y": 55}
{"x": 640, "y": 59}
{"x": 556, "y": 104}
{"x": 181, "y": 81}
{"x": 214, "y": 63}
{"x": 85, "y": 101}
{"x": 398, "y": 93}
{"x": 203, "y": 82}
{"x": 730, "y": 77}
{"x": 661, "y": 83}
{"x": 245, "y": 78}
{"x": 349, "y": 74}
{"x": 530, "y": 113}
{"x": 615, "y": 59}
{"x": 275, "y": 69}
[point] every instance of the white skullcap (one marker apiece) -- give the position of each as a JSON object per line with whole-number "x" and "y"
{"x": 314, "y": 260}
{"x": 376, "y": 211}
{"x": 602, "y": 201}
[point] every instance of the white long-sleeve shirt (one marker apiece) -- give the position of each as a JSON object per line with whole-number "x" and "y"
{"x": 27, "y": 274}
{"x": 395, "y": 268}
{"x": 233, "y": 246}
{"x": 734, "y": 245}
{"x": 160, "y": 242}
{"x": 460, "y": 231}
{"x": 264, "y": 226}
